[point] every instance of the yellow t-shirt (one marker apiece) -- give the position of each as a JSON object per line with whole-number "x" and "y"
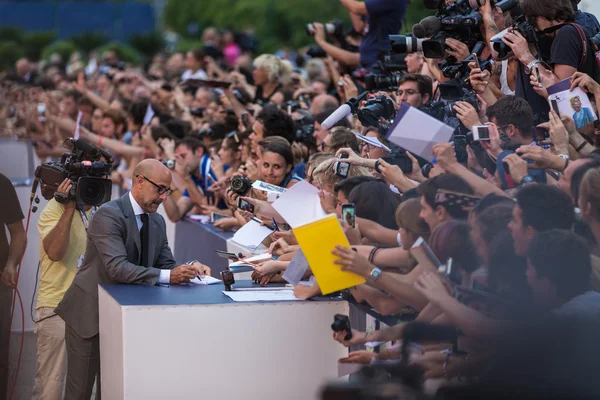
{"x": 56, "y": 277}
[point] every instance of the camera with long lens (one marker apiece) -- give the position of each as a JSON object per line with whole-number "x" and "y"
{"x": 377, "y": 108}
{"x": 334, "y": 28}
{"x": 405, "y": 44}
{"x": 521, "y": 24}
{"x": 382, "y": 82}
{"x": 82, "y": 166}
{"x": 240, "y": 185}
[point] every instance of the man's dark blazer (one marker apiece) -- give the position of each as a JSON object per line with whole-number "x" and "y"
{"x": 113, "y": 255}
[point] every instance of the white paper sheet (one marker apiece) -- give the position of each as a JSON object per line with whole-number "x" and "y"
{"x": 149, "y": 115}
{"x": 207, "y": 280}
{"x": 264, "y": 295}
{"x": 300, "y": 205}
{"x": 296, "y": 268}
{"x": 251, "y": 235}
{"x": 417, "y": 132}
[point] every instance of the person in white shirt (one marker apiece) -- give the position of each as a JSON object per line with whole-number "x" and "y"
{"x": 194, "y": 62}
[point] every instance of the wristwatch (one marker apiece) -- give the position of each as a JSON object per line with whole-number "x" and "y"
{"x": 527, "y": 180}
{"x": 375, "y": 273}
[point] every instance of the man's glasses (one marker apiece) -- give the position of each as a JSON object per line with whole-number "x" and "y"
{"x": 161, "y": 189}
{"x": 409, "y": 92}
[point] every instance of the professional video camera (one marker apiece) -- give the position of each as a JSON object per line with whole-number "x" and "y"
{"x": 87, "y": 174}
{"x": 521, "y": 24}
{"x": 386, "y": 73}
{"x": 377, "y": 108}
{"x": 459, "y": 20}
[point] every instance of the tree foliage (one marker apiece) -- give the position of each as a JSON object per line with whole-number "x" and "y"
{"x": 278, "y": 24}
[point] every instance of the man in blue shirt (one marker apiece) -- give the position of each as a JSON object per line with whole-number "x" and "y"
{"x": 193, "y": 165}
{"x": 383, "y": 18}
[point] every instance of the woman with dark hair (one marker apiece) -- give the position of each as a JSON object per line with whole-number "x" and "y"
{"x": 376, "y": 202}
{"x": 277, "y": 162}
{"x": 230, "y": 153}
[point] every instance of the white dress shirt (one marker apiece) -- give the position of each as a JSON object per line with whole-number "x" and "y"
{"x": 165, "y": 274}
{"x": 188, "y": 74}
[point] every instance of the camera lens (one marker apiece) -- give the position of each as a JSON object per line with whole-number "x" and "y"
{"x": 93, "y": 191}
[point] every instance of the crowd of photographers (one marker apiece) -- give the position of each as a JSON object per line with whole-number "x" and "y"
{"x": 496, "y": 241}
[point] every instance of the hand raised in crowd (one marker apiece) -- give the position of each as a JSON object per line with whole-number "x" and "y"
{"x": 558, "y": 133}
{"x": 417, "y": 173}
{"x": 351, "y": 261}
{"x": 358, "y": 357}
{"x": 542, "y": 158}
{"x": 328, "y": 201}
{"x": 467, "y": 114}
{"x": 547, "y": 77}
{"x": 444, "y": 154}
{"x": 319, "y": 34}
{"x": 394, "y": 176}
{"x": 168, "y": 146}
{"x": 350, "y": 89}
{"x": 479, "y": 79}
{"x": 517, "y": 167}
{"x": 430, "y": 285}
{"x": 357, "y": 337}
{"x": 494, "y": 145}
{"x": 457, "y": 49}
{"x": 353, "y": 158}
{"x": 183, "y": 274}
{"x": 585, "y": 82}
{"x": 353, "y": 234}
{"x": 252, "y": 171}
{"x": 518, "y": 45}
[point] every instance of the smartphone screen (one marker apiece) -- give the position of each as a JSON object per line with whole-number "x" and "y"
{"x": 215, "y": 217}
{"x": 554, "y": 103}
{"x": 41, "y": 109}
{"x": 245, "y": 206}
{"x": 476, "y": 60}
{"x": 349, "y": 214}
{"x": 460, "y": 148}
{"x": 229, "y": 256}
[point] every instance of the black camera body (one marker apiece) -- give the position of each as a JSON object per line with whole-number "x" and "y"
{"x": 341, "y": 323}
{"x": 240, "y": 185}
{"x": 382, "y": 82}
{"x": 398, "y": 157}
{"x": 86, "y": 173}
{"x": 521, "y": 24}
{"x": 379, "y": 107}
{"x": 305, "y": 129}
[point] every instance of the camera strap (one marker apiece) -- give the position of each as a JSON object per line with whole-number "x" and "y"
{"x": 84, "y": 217}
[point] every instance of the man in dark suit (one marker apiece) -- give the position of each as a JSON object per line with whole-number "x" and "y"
{"x": 127, "y": 243}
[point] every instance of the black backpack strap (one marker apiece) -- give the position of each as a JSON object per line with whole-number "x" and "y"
{"x": 584, "y": 42}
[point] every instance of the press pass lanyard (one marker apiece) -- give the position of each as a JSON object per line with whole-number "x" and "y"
{"x": 84, "y": 218}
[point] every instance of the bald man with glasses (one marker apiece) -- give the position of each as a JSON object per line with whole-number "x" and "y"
{"x": 126, "y": 243}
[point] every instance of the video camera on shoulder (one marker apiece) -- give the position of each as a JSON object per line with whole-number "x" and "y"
{"x": 82, "y": 166}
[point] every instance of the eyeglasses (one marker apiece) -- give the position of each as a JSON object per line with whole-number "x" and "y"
{"x": 161, "y": 189}
{"x": 409, "y": 92}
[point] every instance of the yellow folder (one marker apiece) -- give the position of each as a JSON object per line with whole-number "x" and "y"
{"x": 317, "y": 239}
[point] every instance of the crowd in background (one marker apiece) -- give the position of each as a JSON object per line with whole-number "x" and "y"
{"x": 518, "y": 219}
